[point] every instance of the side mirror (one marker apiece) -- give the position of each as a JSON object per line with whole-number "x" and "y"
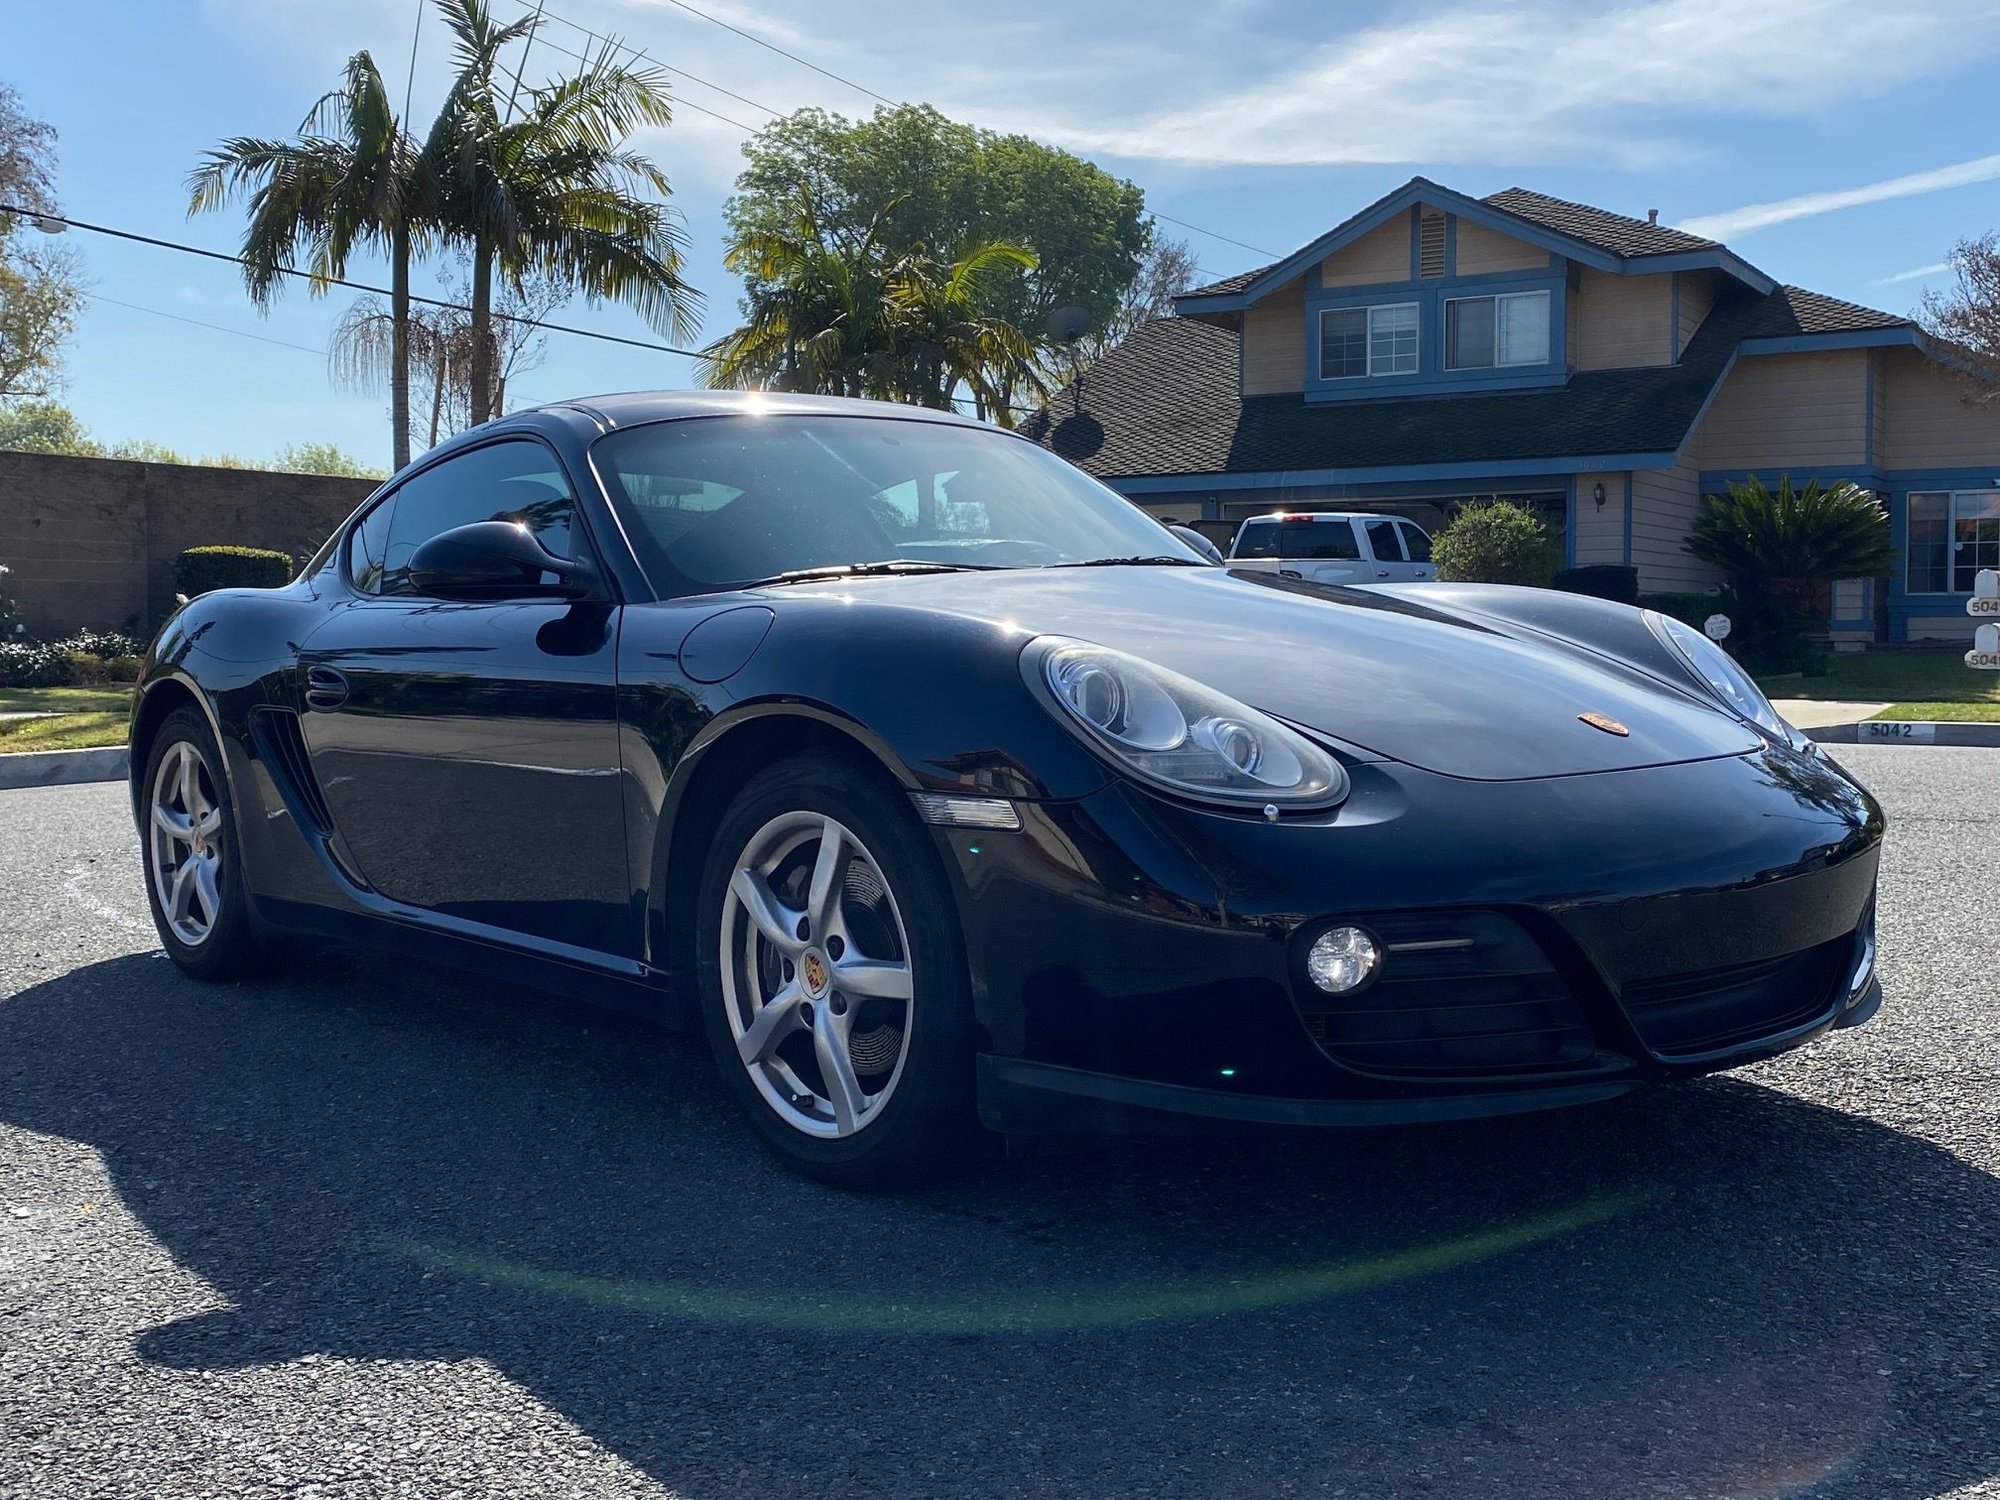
{"x": 1197, "y": 541}
{"x": 494, "y": 560}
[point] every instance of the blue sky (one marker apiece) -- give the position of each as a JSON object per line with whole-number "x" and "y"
{"x": 1841, "y": 145}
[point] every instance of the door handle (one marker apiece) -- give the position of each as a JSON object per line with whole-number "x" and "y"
{"x": 1381, "y": 572}
{"x": 326, "y": 689}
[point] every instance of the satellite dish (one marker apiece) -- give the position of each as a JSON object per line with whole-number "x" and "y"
{"x": 1067, "y": 324}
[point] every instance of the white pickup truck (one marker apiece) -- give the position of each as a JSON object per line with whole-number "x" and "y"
{"x": 1333, "y": 546}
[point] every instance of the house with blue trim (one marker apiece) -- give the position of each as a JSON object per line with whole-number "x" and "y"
{"x": 1608, "y": 370}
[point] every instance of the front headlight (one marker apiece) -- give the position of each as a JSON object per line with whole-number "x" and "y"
{"x": 1717, "y": 671}
{"x": 1176, "y": 733}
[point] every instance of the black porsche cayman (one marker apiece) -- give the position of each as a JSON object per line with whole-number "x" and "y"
{"x": 945, "y": 788}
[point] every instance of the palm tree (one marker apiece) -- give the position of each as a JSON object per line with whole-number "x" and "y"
{"x": 551, "y": 191}
{"x": 350, "y": 178}
{"x": 944, "y": 338}
{"x": 1758, "y": 534}
{"x": 843, "y": 316}
{"x": 817, "y": 307}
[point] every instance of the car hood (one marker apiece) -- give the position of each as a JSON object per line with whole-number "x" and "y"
{"x": 1391, "y": 677}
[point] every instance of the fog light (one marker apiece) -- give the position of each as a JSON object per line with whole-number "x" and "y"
{"x": 1341, "y": 958}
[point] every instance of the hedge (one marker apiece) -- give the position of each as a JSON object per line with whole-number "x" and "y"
{"x": 200, "y": 570}
{"x": 1615, "y": 581}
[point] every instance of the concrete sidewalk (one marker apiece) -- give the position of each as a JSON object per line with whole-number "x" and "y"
{"x": 1813, "y": 713}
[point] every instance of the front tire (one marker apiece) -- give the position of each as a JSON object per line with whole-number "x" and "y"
{"x": 193, "y": 865}
{"x": 833, "y": 979}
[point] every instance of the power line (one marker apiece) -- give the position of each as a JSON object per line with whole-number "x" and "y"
{"x": 774, "y": 47}
{"x": 678, "y": 103}
{"x": 198, "y": 323}
{"x": 640, "y": 52}
{"x": 636, "y": 51}
{"x": 341, "y": 281}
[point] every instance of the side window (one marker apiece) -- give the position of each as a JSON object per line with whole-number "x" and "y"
{"x": 1382, "y": 537}
{"x": 517, "y": 480}
{"x": 1417, "y": 540}
{"x": 1256, "y": 539}
{"x": 366, "y": 546}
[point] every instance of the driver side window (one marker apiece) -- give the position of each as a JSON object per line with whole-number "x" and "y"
{"x": 517, "y": 480}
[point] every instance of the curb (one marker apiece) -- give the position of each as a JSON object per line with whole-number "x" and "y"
{"x": 62, "y": 767}
{"x": 1908, "y": 732}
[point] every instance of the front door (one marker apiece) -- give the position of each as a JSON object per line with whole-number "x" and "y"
{"x": 469, "y": 751}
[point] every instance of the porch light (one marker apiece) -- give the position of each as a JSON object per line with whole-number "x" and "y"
{"x": 1597, "y": 494}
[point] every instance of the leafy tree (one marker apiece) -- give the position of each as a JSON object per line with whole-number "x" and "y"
{"x": 1499, "y": 541}
{"x": 323, "y": 458}
{"x": 909, "y": 179}
{"x": 40, "y": 289}
{"x": 352, "y": 178}
{"x": 552, "y": 192}
{"x": 1169, "y": 270}
{"x": 42, "y": 426}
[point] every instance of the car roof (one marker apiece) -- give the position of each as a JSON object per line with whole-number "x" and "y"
{"x": 1324, "y": 515}
{"x": 631, "y": 408}
{"x": 590, "y": 416}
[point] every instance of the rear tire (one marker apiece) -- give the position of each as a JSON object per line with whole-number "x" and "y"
{"x": 193, "y": 864}
{"x": 859, "y": 1072}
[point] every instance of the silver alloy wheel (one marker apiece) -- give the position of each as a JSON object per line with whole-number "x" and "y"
{"x": 185, "y": 857}
{"x": 816, "y": 979}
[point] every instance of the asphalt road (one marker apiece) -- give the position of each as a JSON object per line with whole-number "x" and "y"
{"x": 375, "y": 1230}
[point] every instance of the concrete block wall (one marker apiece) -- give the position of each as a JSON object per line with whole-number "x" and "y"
{"x": 91, "y": 542}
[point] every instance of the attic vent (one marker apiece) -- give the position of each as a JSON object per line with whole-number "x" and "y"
{"x": 1430, "y": 243}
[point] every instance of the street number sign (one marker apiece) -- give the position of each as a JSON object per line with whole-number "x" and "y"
{"x": 1985, "y": 600}
{"x": 1985, "y": 652}
{"x": 1906, "y": 733}
{"x": 1716, "y": 627}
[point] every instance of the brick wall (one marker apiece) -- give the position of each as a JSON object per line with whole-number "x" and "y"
{"x": 92, "y": 541}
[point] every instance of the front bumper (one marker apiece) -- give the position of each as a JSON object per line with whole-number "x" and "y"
{"x": 1135, "y": 962}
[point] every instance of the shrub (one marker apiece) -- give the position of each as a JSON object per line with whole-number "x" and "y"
{"x": 1498, "y": 542}
{"x": 1615, "y": 581}
{"x": 200, "y": 570}
{"x": 1781, "y": 548}
{"x": 105, "y": 645}
{"x": 33, "y": 664}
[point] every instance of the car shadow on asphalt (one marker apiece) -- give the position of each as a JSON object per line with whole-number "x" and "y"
{"x": 1713, "y": 1289}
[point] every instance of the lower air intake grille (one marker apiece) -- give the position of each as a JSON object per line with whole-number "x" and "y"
{"x": 1460, "y": 994}
{"x": 1685, "y": 1015}
{"x": 283, "y": 749}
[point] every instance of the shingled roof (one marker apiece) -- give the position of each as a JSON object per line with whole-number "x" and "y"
{"x": 1599, "y": 228}
{"x": 1165, "y": 402}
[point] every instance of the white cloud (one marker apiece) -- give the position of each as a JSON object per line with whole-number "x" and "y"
{"x": 1915, "y": 273}
{"x": 1533, "y": 81}
{"x": 1738, "y": 221}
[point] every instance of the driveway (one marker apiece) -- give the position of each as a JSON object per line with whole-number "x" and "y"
{"x": 377, "y": 1230}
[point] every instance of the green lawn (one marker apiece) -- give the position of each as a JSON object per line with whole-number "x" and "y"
{"x": 72, "y": 700}
{"x": 1916, "y": 685}
{"x": 78, "y": 718}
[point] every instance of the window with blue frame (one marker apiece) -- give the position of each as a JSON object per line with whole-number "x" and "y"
{"x": 1360, "y": 341}
{"x": 1484, "y": 333}
{"x": 1950, "y": 537}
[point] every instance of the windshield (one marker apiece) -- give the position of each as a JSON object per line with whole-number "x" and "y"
{"x": 711, "y": 502}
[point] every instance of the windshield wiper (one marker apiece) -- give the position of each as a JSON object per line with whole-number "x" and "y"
{"x": 891, "y": 565}
{"x": 1136, "y": 562}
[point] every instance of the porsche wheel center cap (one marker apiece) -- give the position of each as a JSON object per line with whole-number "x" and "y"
{"x": 814, "y": 974}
